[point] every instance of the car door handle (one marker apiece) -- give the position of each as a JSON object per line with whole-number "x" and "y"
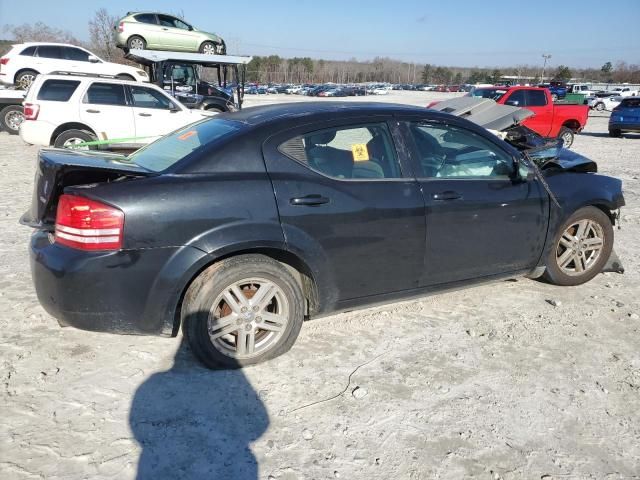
{"x": 448, "y": 195}
{"x": 309, "y": 200}
{"x": 144, "y": 114}
{"x": 92, "y": 111}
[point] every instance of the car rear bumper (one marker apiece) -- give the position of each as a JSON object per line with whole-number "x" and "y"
{"x": 130, "y": 292}
{"x": 37, "y": 132}
{"x": 625, "y": 127}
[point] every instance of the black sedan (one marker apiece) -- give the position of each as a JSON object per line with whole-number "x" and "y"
{"x": 239, "y": 227}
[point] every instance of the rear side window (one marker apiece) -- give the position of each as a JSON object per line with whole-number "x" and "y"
{"x": 347, "y": 152}
{"x": 630, "y": 103}
{"x": 29, "y": 51}
{"x": 105, "y": 94}
{"x": 536, "y": 98}
{"x": 146, "y": 18}
{"x": 50, "y": 51}
{"x": 57, "y": 90}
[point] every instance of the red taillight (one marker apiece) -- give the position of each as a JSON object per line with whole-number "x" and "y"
{"x": 4, "y": 60}
{"x": 88, "y": 225}
{"x": 31, "y": 111}
{"x": 121, "y": 27}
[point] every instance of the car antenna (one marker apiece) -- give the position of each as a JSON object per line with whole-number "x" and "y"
{"x": 543, "y": 181}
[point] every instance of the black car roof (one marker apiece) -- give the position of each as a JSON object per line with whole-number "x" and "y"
{"x": 268, "y": 113}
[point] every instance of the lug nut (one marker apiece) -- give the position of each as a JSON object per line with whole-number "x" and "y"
{"x": 258, "y": 319}
{"x": 248, "y": 327}
{"x": 243, "y": 309}
{"x": 255, "y": 309}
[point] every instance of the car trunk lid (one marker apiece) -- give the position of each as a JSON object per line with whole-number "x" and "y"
{"x": 58, "y": 169}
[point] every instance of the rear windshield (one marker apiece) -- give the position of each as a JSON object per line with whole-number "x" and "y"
{"x": 492, "y": 93}
{"x": 170, "y": 149}
{"x": 630, "y": 103}
{"x": 57, "y": 90}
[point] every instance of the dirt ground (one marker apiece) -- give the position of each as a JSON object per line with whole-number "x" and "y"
{"x": 492, "y": 382}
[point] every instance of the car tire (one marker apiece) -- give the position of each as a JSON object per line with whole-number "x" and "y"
{"x": 567, "y": 136}
{"x": 125, "y": 76}
{"x": 615, "y": 133}
{"x": 10, "y": 119}
{"x": 599, "y": 107}
{"x": 568, "y": 245}
{"x": 71, "y": 137}
{"x": 136, "y": 42}
{"x": 25, "y": 78}
{"x": 554, "y": 97}
{"x": 209, "y": 48}
{"x": 217, "y": 312}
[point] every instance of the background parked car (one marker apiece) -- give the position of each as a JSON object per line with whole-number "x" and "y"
{"x": 158, "y": 31}
{"x": 604, "y": 103}
{"x": 625, "y": 91}
{"x": 25, "y": 61}
{"x": 63, "y": 111}
{"x": 625, "y": 117}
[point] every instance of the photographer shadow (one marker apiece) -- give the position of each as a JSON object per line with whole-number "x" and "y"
{"x": 196, "y": 423}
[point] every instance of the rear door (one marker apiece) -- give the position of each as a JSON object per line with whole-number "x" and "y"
{"x": 105, "y": 109}
{"x": 345, "y": 198}
{"x": 154, "y": 113}
{"x": 480, "y": 220}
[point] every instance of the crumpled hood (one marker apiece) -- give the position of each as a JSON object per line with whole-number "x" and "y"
{"x": 563, "y": 159}
{"x": 484, "y": 112}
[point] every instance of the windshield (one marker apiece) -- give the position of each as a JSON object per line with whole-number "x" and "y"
{"x": 170, "y": 149}
{"x": 492, "y": 93}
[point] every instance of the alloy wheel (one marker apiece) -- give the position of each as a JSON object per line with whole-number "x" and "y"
{"x": 74, "y": 142}
{"x": 209, "y": 49}
{"x": 13, "y": 119}
{"x": 136, "y": 44}
{"x": 580, "y": 247}
{"x": 248, "y": 318}
{"x": 26, "y": 81}
{"x": 567, "y": 139}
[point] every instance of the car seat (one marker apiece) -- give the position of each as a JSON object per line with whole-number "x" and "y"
{"x": 328, "y": 160}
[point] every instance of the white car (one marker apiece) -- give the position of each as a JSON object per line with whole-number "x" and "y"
{"x": 625, "y": 91}
{"x": 27, "y": 60}
{"x": 604, "y": 103}
{"x": 65, "y": 110}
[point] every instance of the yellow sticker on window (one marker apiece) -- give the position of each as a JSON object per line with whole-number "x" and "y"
{"x": 360, "y": 152}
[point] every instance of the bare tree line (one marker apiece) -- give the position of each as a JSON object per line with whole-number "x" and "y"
{"x": 275, "y": 69}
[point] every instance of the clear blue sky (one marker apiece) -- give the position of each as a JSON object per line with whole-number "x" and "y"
{"x": 459, "y": 32}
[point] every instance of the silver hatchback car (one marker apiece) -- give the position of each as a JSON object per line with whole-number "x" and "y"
{"x": 158, "y": 31}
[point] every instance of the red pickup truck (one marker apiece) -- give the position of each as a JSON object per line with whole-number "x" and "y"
{"x": 550, "y": 120}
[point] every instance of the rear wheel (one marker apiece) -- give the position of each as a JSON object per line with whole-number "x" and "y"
{"x": 136, "y": 43}
{"x": 567, "y": 136}
{"x": 582, "y": 246}
{"x": 599, "y": 106}
{"x": 25, "y": 78}
{"x": 73, "y": 138}
{"x": 10, "y": 118}
{"x": 242, "y": 311}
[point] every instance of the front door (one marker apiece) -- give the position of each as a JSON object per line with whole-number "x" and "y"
{"x": 343, "y": 196}
{"x": 480, "y": 220}
{"x": 175, "y": 34}
{"x": 154, "y": 113}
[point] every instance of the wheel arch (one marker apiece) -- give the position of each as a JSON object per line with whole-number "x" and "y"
{"x": 572, "y": 124}
{"x": 69, "y": 126}
{"x": 296, "y": 265}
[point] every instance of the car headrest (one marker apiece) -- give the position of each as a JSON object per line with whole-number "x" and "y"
{"x": 322, "y": 138}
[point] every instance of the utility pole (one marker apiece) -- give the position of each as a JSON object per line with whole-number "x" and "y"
{"x": 546, "y": 57}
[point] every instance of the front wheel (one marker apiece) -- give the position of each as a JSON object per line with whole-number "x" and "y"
{"x": 581, "y": 248}
{"x": 242, "y": 311}
{"x": 554, "y": 97}
{"x": 615, "y": 133}
{"x": 211, "y": 48}
{"x": 600, "y": 107}
{"x": 567, "y": 136}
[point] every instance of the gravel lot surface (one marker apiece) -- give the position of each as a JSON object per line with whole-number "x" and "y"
{"x": 492, "y": 382}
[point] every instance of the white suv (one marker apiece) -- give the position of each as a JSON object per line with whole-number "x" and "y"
{"x": 27, "y": 60}
{"x": 65, "y": 110}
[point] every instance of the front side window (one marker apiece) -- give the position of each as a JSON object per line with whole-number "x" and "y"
{"x": 76, "y": 54}
{"x": 148, "y": 18}
{"x": 446, "y": 151}
{"x": 57, "y": 90}
{"x": 50, "y": 51}
{"x": 149, "y": 98}
{"x": 517, "y": 98}
{"x": 346, "y": 152}
{"x": 105, "y": 94}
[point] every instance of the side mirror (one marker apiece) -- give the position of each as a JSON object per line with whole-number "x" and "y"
{"x": 526, "y": 173}
{"x": 93, "y": 59}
